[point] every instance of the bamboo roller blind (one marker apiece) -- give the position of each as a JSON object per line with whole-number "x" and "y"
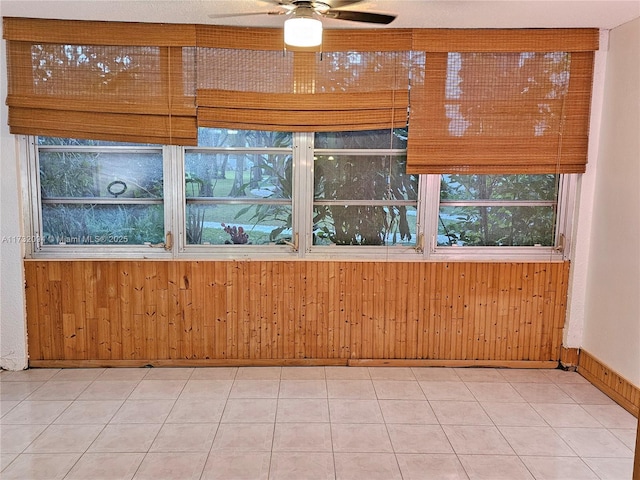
{"x": 482, "y": 101}
{"x": 501, "y": 102}
{"x": 114, "y": 81}
{"x": 250, "y": 83}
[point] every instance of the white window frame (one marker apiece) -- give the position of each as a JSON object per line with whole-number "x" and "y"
{"x": 232, "y": 252}
{"x": 33, "y": 218}
{"x": 359, "y": 252}
{"x": 567, "y": 187}
{"x": 426, "y": 248}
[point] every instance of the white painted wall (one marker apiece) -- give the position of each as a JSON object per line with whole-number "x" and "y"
{"x": 13, "y": 335}
{"x": 583, "y": 215}
{"x": 612, "y": 307}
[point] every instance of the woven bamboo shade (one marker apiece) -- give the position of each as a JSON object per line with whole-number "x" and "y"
{"x": 482, "y": 101}
{"x": 99, "y": 80}
{"x": 252, "y": 83}
{"x": 501, "y": 101}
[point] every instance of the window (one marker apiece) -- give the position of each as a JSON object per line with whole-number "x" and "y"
{"x": 246, "y": 194}
{"x": 497, "y": 210}
{"x": 362, "y": 194}
{"x": 238, "y": 188}
{"x": 99, "y": 193}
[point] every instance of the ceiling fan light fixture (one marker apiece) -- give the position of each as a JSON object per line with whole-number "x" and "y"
{"x": 303, "y": 29}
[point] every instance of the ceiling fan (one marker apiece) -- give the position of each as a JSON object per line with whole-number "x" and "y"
{"x": 303, "y": 27}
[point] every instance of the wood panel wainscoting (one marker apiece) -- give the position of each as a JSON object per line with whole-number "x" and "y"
{"x": 621, "y": 390}
{"x": 132, "y": 313}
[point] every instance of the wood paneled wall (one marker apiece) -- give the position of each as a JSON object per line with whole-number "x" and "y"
{"x": 621, "y": 390}
{"x": 275, "y": 310}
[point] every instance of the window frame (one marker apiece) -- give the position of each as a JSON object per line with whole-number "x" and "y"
{"x": 230, "y": 252}
{"x": 567, "y": 190}
{"x": 425, "y": 249}
{"x": 33, "y": 225}
{"x": 396, "y": 252}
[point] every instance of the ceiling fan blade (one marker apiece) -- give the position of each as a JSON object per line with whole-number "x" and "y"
{"x": 360, "y": 16}
{"x": 246, "y": 14}
{"x": 339, "y": 3}
{"x": 315, "y": 3}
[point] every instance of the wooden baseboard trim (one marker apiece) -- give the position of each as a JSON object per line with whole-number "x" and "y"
{"x": 292, "y": 362}
{"x": 569, "y": 357}
{"x": 354, "y": 362}
{"x": 618, "y": 388}
{"x": 636, "y": 458}
{"x": 372, "y": 362}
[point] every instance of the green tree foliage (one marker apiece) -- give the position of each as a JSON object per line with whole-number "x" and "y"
{"x": 355, "y": 177}
{"x": 504, "y": 225}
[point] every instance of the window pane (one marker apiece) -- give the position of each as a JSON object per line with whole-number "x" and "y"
{"x": 220, "y": 137}
{"x": 365, "y": 140}
{"x": 108, "y": 175}
{"x": 229, "y": 224}
{"x": 496, "y": 226}
{"x": 499, "y": 187}
{"x": 79, "y": 142}
{"x": 364, "y": 198}
{"x": 238, "y": 189}
{"x": 370, "y": 177}
{"x": 99, "y": 193}
{"x": 89, "y": 224}
{"x": 237, "y": 175}
{"x": 364, "y": 225}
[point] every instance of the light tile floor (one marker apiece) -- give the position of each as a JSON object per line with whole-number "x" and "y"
{"x": 310, "y": 423}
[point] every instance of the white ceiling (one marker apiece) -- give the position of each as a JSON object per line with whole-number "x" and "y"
{"x": 605, "y": 14}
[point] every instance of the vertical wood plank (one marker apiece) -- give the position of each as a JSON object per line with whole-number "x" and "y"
{"x": 444, "y": 340}
{"x": 469, "y": 303}
{"x": 412, "y": 308}
{"x": 401, "y": 313}
{"x": 527, "y": 313}
{"x": 290, "y": 312}
{"x": 311, "y": 310}
{"x": 331, "y": 309}
{"x": 198, "y": 286}
{"x": 150, "y": 295}
{"x": 138, "y": 308}
{"x": 162, "y": 310}
{"x": 483, "y": 311}
{"x": 433, "y": 331}
{"x": 174, "y": 311}
{"x": 422, "y": 287}
{"x": 34, "y": 324}
{"x": 322, "y": 299}
{"x": 370, "y": 326}
{"x": 350, "y": 336}
{"x": 538, "y": 341}
{"x": 457, "y": 310}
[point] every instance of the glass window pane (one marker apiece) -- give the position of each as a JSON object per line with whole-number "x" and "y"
{"x": 106, "y": 175}
{"x": 229, "y": 224}
{"x": 238, "y": 175}
{"x": 499, "y": 187}
{"x": 221, "y": 137}
{"x": 88, "y": 224}
{"x": 363, "y": 199}
{"x": 496, "y": 226}
{"x": 364, "y": 225}
{"x": 364, "y": 140}
{"x": 235, "y": 196}
{"x": 363, "y": 178}
{"x": 79, "y": 142}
